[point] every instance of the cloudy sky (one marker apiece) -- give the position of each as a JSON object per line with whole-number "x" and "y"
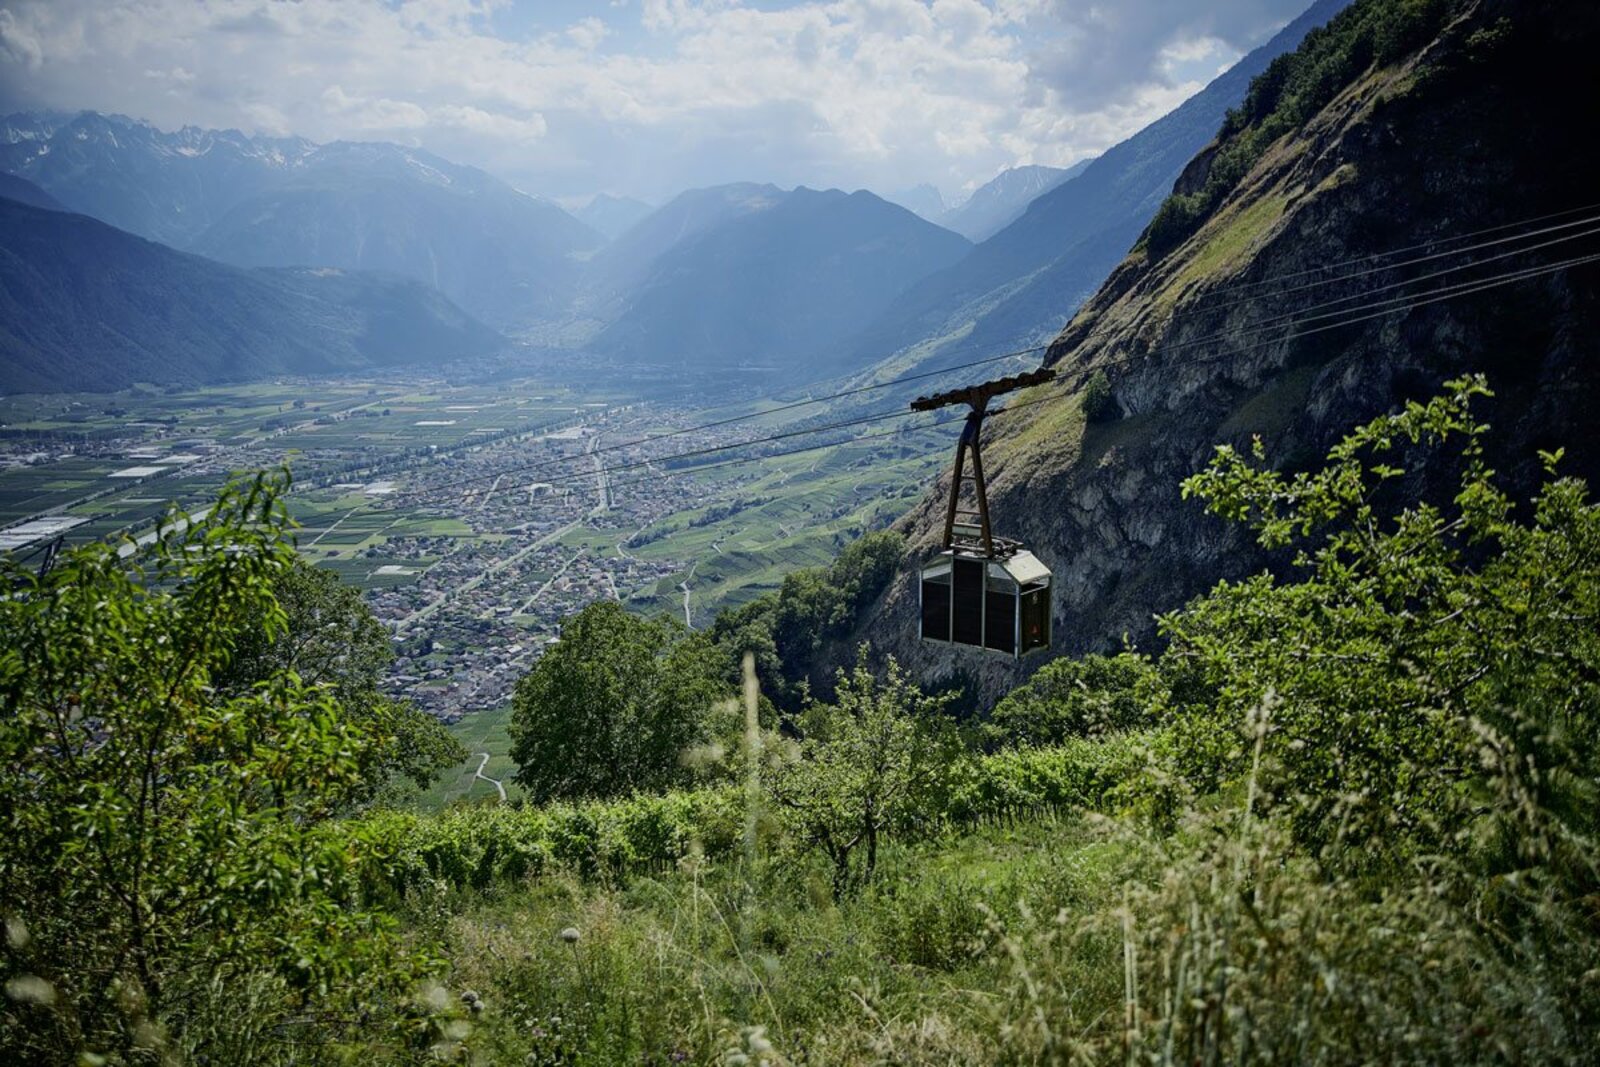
{"x": 647, "y": 97}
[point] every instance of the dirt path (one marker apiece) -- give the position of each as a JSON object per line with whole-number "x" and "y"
{"x": 482, "y": 763}
{"x": 688, "y": 620}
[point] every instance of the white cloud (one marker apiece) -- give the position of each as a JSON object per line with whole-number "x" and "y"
{"x": 19, "y": 46}
{"x": 588, "y": 33}
{"x": 652, "y": 97}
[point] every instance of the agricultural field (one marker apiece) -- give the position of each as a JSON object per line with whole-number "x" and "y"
{"x": 480, "y": 732}
{"x": 113, "y": 462}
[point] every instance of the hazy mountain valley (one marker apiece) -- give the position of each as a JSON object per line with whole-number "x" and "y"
{"x": 449, "y": 624}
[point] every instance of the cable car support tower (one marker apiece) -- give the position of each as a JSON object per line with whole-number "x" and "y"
{"x": 966, "y": 535}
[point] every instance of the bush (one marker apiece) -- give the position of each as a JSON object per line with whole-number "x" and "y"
{"x": 1099, "y": 402}
{"x": 1429, "y": 685}
{"x": 784, "y": 630}
{"x": 163, "y": 846}
{"x": 1072, "y": 698}
{"x": 614, "y": 707}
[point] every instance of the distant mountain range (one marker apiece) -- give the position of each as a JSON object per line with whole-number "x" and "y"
{"x": 85, "y": 306}
{"x": 924, "y": 200}
{"x": 255, "y": 201}
{"x": 1021, "y": 285}
{"x": 612, "y": 216}
{"x": 624, "y": 264}
{"x": 815, "y": 283}
{"x": 753, "y": 275}
{"x": 1000, "y": 201}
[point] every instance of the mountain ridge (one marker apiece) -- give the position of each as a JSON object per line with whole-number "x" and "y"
{"x": 746, "y": 285}
{"x": 259, "y": 201}
{"x": 85, "y": 306}
{"x": 1019, "y": 286}
{"x": 1001, "y": 200}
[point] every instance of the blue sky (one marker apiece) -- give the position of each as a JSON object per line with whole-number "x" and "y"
{"x": 643, "y": 98}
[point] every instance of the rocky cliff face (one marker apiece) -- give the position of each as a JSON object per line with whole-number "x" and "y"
{"x": 1270, "y": 320}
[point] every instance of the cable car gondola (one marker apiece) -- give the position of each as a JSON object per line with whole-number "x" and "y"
{"x": 981, "y": 590}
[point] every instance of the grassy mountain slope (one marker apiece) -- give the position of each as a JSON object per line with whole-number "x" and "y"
{"x": 1022, "y": 284}
{"x": 1423, "y": 122}
{"x": 85, "y": 306}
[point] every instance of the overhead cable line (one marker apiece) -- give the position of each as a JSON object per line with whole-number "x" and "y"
{"x": 1435, "y": 243}
{"x": 1420, "y": 260}
{"x": 1510, "y": 254}
{"x": 736, "y": 460}
{"x": 708, "y": 450}
{"x": 1299, "y": 318}
{"x": 1076, "y": 375}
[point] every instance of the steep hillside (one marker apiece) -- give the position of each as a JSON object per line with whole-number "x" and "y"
{"x": 1397, "y": 133}
{"x": 25, "y": 192}
{"x": 1000, "y": 201}
{"x": 779, "y": 285}
{"x": 283, "y": 202}
{"x": 622, "y": 265}
{"x": 84, "y": 306}
{"x": 1022, "y": 284}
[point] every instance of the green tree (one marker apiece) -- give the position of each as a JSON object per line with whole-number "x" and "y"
{"x": 330, "y": 638}
{"x": 787, "y": 629}
{"x": 161, "y": 841}
{"x": 1432, "y": 681}
{"x": 615, "y": 706}
{"x": 873, "y": 760}
{"x": 1088, "y": 697}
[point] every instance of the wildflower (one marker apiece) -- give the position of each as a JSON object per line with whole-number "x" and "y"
{"x": 570, "y": 935}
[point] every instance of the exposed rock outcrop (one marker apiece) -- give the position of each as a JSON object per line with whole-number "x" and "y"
{"x": 1485, "y": 126}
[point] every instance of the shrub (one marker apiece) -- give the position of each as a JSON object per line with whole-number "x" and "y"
{"x": 614, "y": 707}
{"x": 1430, "y": 682}
{"x": 163, "y": 846}
{"x": 1069, "y": 698}
{"x": 1099, "y": 402}
{"x": 874, "y": 760}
